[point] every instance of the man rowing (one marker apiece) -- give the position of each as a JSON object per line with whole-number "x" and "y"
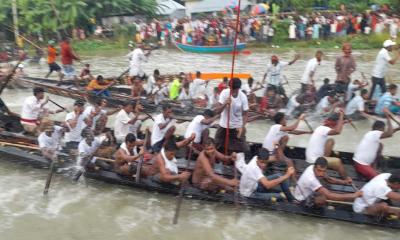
{"x": 204, "y": 176}
{"x": 165, "y": 168}
{"x": 387, "y": 103}
{"x": 310, "y": 192}
{"x": 199, "y": 126}
{"x": 128, "y": 155}
{"x": 277, "y": 138}
{"x": 75, "y": 122}
{"x": 128, "y": 120}
{"x": 99, "y": 86}
{"x": 355, "y": 109}
{"x": 377, "y": 193}
{"x": 50, "y": 138}
{"x": 308, "y": 77}
{"x": 255, "y": 184}
{"x": 368, "y": 153}
{"x": 328, "y": 104}
{"x": 320, "y": 145}
{"x": 87, "y": 148}
{"x": 274, "y": 73}
{"x": 234, "y": 102}
{"x": 271, "y": 103}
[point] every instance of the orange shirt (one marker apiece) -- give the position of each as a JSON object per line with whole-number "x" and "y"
{"x": 51, "y": 54}
{"x": 94, "y": 85}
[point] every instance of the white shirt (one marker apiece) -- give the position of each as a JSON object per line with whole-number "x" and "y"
{"x": 356, "y": 104}
{"x": 74, "y": 134}
{"x": 89, "y": 110}
{"x": 311, "y": 67}
{"x": 197, "y": 128}
{"x": 367, "y": 150}
{"x": 381, "y": 63}
{"x": 238, "y": 105}
{"x": 31, "y": 108}
{"x": 122, "y": 126}
{"x": 170, "y": 165}
{"x": 85, "y": 150}
{"x": 245, "y": 88}
{"x": 251, "y": 175}
{"x": 136, "y": 57}
{"x": 274, "y": 135}
{"x": 51, "y": 142}
{"x": 375, "y": 190}
{"x": 273, "y": 72}
{"x": 159, "y": 95}
{"x": 151, "y": 82}
{"x": 158, "y": 134}
{"x": 352, "y": 88}
{"x": 308, "y": 184}
{"x": 316, "y": 145}
{"x": 197, "y": 88}
{"x": 183, "y": 95}
{"x": 324, "y": 103}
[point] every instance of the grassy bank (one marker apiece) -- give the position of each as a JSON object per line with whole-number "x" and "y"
{"x": 358, "y": 41}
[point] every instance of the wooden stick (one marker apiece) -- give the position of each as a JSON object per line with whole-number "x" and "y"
{"x": 308, "y": 125}
{"x": 122, "y": 74}
{"x": 140, "y": 163}
{"x": 19, "y": 145}
{"x": 351, "y": 203}
{"x": 49, "y": 176}
{"x": 9, "y": 77}
{"x": 105, "y": 89}
{"x": 181, "y": 190}
{"x": 58, "y": 105}
{"x": 20, "y": 35}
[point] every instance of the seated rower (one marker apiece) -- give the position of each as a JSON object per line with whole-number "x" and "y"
{"x": 254, "y": 184}
{"x": 312, "y": 193}
{"x": 382, "y": 188}
{"x": 99, "y": 86}
{"x": 33, "y": 109}
{"x": 302, "y": 102}
{"x": 165, "y": 169}
{"x": 164, "y": 128}
{"x": 176, "y": 86}
{"x": 75, "y": 121}
{"x": 271, "y": 103}
{"x": 213, "y": 99}
{"x": 353, "y": 88}
{"x": 128, "y": 120}
{"x": 387, "y": 104}
{"x": 355, "y": 109}
{"x": 160, "y": 91}
{"x": 184, "y": 94}
{"x": 87, "y": 148}
{"x": 85, "y": 74}
{"x": 328, "y": 104}
{"x": 97, "y": 114}
{"x": 49, "y": 140}
{"x": 277, "y": 138}
{"x": 200, "y": 127}
{"x": 127, "y": 155}
{"x": 320, "y": 146}
{"x": 137, "y": 90}
{"x": 204, "y": 176}
{"x": 369, "y": 152}
{"x": 324, "y": 90}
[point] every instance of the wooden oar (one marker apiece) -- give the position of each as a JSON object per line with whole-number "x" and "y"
{"x": 105, "y": 89}
{"x": 351, "y": 203}
{"x": 122, "y": 74}
{"x": 9, "y": 77}
{"x": 49, "y": 176}
{"x": 11, "y": 29}
{"x": 308, "y": 125}
{"x": 181, "y": 190}
{"x": 58, "y": 105}
{"x": 19, "y": 145}
{"x": 140, "y": 163}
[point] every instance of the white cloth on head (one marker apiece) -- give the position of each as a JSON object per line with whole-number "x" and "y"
{"x": 367, "y": 149}
{"x": 316, "y": 144}
{"x": 381, "y": 63}
{"x": 250, "y": 178}
{"x": 307, "y": 184}
{"x": 274, "y": 135}
{"x": 171, "y": 165}
{"x": 374, "y": 191}
{"x": 355, "y": 104}
{"x": 237, "y": 106}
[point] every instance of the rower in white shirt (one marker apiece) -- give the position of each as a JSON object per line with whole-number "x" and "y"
{"x": 312, "y": 193}
{"x": 355, "y": 108}
{"x": 308, "y": 77}
{"x": 200, "y": 127}
{"x": 50, "y": 138}
{"x": 376, "y": 193}
{"x": 75, "y": 122}
{"x": 320, "y": 146}
{"x": 128, "y": 120}
{"x": 33, "y": 109}
{"x": 198, "y": 87}
{"x": 88, "y": 146}
{"x": 277, "y": 138}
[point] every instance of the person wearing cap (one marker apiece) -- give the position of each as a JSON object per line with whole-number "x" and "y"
{"x": 345, "y": 65}
{"x": 320, "y": 145}
{"x": 381, "y": 64}
{"x": 75, "y": 121}
{"x": 310, "y": 70}
{"x": 274, "y": 73}
{"x": 67, "y": 58}
{"x": 51, "y": 60}
{"x": 136, "y": 58}
{"x": 49, "y": 139}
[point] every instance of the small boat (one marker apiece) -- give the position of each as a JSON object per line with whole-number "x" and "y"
{"x": 210, "y": 49}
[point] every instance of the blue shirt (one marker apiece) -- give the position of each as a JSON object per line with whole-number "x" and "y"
{"x": 384, "y": 102}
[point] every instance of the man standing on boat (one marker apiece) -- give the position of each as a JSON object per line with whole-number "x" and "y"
{"x": 381, "y": 64}
{"x": 311, "y": 193}
{"x": 136, "y": 58}
{"x": 377, "y": 193}
{"x": 369, "y": 152}
{"x": 238, "y": 114}
{"x": 67, "y": 58}
{"x": 308, "y": 77}
{"x": 274, "y": 73}
{"x": 345, "y": 65}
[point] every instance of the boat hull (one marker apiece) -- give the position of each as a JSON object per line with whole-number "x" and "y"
{"x": 210, "y": 49}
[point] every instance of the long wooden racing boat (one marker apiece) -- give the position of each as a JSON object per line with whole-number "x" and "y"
{"x": 210, "y": 49}
{"x": 336, "y": 211}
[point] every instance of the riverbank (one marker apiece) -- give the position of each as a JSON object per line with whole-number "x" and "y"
{"x": 359, "y": 42}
